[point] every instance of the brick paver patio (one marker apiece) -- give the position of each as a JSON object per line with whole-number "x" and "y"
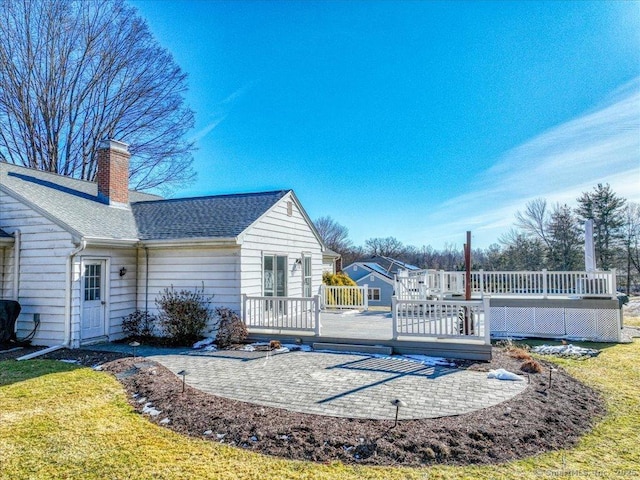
{"x": 340, "y": 385}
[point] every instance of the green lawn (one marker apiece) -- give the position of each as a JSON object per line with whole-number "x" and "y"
{"x": 61, "y": 421}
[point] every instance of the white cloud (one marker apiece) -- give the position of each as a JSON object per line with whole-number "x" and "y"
{"x": 221, "y": 112}
{"x": 601, "y": 146}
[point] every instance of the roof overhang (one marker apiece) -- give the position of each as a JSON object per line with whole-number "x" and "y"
{"x": 191, "y": 242}
{"x": 6, "y": 241}
{"x": 111, "y": 242}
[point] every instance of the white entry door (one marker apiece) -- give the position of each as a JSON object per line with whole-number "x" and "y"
{"x": 93, "y": 301}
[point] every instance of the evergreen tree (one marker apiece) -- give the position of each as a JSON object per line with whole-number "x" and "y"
{"x": 606, "y": 210}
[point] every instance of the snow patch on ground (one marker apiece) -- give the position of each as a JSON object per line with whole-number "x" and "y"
{"x": 565, "y": 351}
{"x": 502, "y": 374}
{"x": 204, "y": 342}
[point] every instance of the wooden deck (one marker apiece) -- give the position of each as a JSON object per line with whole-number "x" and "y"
{"x": 375, "y": 328}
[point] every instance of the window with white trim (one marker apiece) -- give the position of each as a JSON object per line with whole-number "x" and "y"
{"x": 374, "y": 294}
{"x": 306, "y": 276}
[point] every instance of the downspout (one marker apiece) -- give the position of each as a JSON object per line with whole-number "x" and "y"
{"x": 67, "y": 305}
{"x": 146, "y": 280}
{"x": 16, "y": 264}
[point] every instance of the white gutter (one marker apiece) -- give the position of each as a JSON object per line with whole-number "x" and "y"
{"x": 16, "y": 264}
{"x": 190, "y": 242}
{"x": 67, "y": 306}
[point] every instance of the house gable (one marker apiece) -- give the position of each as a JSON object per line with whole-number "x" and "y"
{"x": 284, "y": 230}
{"x": 213, "y": 217}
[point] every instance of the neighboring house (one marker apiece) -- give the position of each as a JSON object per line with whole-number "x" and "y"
{"x": 80, "y": 255}
{"x": 330, "y": 261}
{"x": 378, "y": 273}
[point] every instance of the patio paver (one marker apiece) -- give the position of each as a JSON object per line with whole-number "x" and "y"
{"x": 340, "y": 385}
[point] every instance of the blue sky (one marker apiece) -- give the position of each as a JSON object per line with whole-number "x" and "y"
{"x": 413, "y": 119}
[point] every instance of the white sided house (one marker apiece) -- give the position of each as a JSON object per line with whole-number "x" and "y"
{"x": 78, "y": 255}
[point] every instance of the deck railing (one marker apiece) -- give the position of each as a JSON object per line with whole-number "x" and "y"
{"x": 442, "y": 319}
{"x": 424, "y": 284}
{"x": 352, "y": 297}
{"x": 277, "y": 314}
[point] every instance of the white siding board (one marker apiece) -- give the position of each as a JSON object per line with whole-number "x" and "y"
{"x": 277, "y": 233}
{"x": 189, "y": 268}
{"x": 121, "y": 299}
{"x": 44, "y": 248}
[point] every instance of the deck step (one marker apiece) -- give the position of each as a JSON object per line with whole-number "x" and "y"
{"x": 348, "y": 347}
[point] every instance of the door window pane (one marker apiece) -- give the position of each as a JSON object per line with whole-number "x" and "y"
{"x": 92, "y": 278}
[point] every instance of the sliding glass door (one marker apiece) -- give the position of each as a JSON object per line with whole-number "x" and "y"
{"x": 274, "y": 274}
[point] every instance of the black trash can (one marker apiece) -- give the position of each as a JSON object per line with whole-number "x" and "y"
{"x": 9, "y": 311}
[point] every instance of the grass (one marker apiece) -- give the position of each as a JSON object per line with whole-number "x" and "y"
{"x": 61, "y": 421}
{"x": 631, "y": 321}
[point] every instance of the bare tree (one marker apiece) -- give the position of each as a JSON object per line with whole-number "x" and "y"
{"x": 387, "y": 247}
{"x": 334, "y": 235}
{"x": 631, "y": 238}
{"x": 74, "y": 72}
{"x": 534, "y": 220}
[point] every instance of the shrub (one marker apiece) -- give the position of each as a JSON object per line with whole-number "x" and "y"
{"x": 531, "y": 366}
{"x": 183, "y": 314}
{"x": 337, "y": 280}
{"x": 519, "y": 353}
{"x": 340, "y": 280}
{"x": 231, "y": 328}
{"x": 139, "y": 325}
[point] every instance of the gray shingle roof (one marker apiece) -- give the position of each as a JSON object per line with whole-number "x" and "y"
{"x": 220, "y": 216}
{"x": 72, "y": 202}
{"x": 4, "y": 234}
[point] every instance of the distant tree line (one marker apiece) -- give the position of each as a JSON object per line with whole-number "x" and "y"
{"x": 543, "y": 236}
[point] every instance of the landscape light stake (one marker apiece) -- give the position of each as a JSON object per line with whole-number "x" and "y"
{"x": 551, "y": 370}
{"x": 184, "y": 373}
{"x": 134, "y": 345}
{"x": 398, "y": 403}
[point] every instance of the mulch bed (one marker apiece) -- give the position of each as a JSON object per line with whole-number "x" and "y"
{"x": 538, "y": 420}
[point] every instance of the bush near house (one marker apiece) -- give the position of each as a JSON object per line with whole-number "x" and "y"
{"x": 231, "y": 328}
{"x": 336, "y": 297}
{"x": 139, "y": 325}
{"x": 338, "y": 280}
{"x": 183, "y": 314}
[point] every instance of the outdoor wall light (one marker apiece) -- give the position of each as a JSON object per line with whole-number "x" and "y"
{"x": 296, "y": 264}
{"x": 123, "y": 271}
{"x": 398, "y": 403}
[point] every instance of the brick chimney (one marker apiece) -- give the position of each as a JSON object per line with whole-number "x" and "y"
{"x": 113, "y": 172}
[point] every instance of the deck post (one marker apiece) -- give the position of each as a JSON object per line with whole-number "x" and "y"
{"x": 486, "y": 306}
{"x": 365, "y": 293}
{"x": 481, "y": 283}
{"x": 613, "y": 284}
{"x": 394, "y": 317}
{"x": 244, "y": 309}
{"x": 316, "y": 313}
{"x": 545, "y": 283}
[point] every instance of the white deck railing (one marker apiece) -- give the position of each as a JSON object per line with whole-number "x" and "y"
{"x": 425, "y": 284}
{"x": 353, "y": 297}
{"x": 277, "y": 314}
{"x": 461, "y": 320}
